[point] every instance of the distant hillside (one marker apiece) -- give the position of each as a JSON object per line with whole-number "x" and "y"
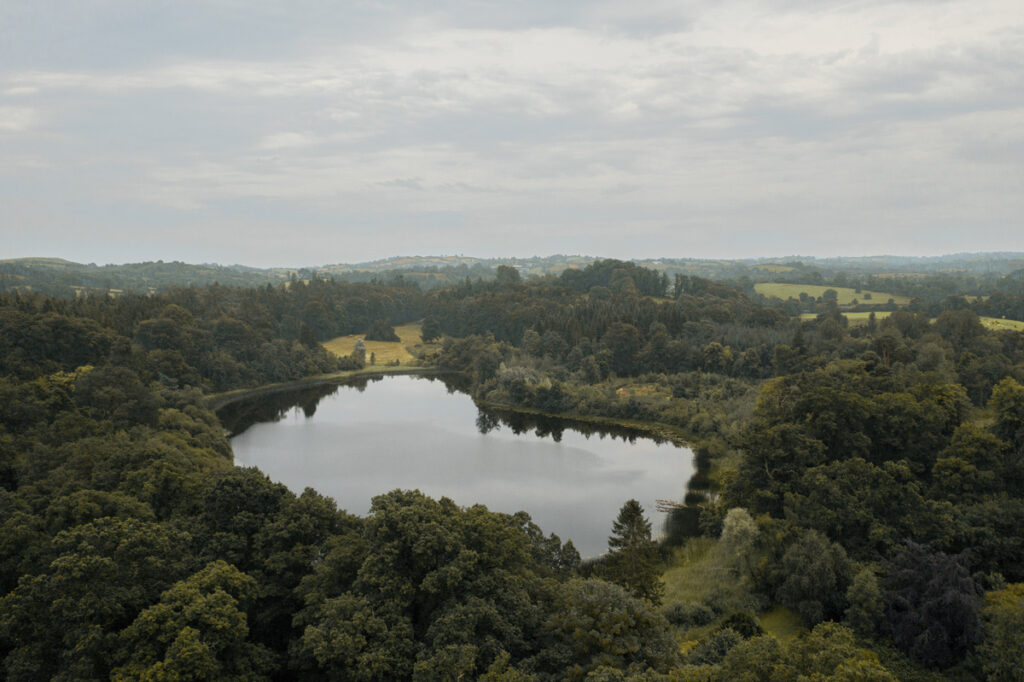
{"x": 906, "y": 276}
{"x": 58, "y": 277}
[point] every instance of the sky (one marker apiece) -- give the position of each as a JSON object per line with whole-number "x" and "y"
{"x": 310, "y": 132}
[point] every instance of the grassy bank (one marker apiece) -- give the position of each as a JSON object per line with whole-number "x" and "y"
{"x": 215, "y": 401}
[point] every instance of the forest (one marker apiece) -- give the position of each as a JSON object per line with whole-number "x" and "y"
{"x": 864, "y": 480}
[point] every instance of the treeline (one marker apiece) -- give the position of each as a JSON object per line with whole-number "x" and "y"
{"x": 64, "y": 279}
{"x": 868, "y": 480}
{"x": 212, "y": 337}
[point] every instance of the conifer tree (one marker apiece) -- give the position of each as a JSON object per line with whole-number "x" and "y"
{"x": 632, "y": 559}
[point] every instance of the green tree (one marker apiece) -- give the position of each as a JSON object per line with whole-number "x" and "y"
{"x": 197, "y": 631}
{"x": 594, "y": 623}
{"x": 815, "y": 576}
{"x": 430, "y": 329}
{"x": 505, "y": 274}
{"x": 63, "y": 623}
{"x": 381, "y": 330}
{"x": 1008, "y": 404}
{"x": 865, "y": 599}
{"x": 932, "y": 604}
{"x": 1002, "y": 652}
{"x": 632, "y": 559}
{"x": 623, "y": 340}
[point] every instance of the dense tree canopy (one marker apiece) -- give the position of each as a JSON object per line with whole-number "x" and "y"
{"x": 866, "y": 474}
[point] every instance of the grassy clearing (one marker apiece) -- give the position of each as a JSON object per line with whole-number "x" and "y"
{"x": 994, "y": 323}
{"x": 1002, "y": 324}
{"x": 845, "y": 295}
{"x": 699, "y": 573}
{"x": 384, "y": 351}
{"x": 693, "y": 571}
{"x": 859, "y": 317}
{"x": 781, "y": 623}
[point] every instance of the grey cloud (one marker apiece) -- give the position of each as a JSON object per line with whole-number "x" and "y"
{"x": 673, "y": 129}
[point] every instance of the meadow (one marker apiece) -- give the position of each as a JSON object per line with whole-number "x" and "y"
{"x": 992, "y": 323}
{"x": 384, "y": 352}
{"x": 844, "y": 295}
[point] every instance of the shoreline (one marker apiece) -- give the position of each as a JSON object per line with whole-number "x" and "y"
{"x": 216, "y": 401}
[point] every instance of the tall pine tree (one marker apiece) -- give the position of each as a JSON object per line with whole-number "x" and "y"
{"x": 632, "y": 559}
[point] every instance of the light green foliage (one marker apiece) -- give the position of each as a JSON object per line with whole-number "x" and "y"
{"x": 829, "y": 652}
{"x": 1008, "y": 404}
{"x": 1002, "y": 652}
{"x": 815, "y": 576}
{"x": 702, "y": 574}
{"x": 197, "y": 631}
{"x": 739, "y": 535}
{"x": 350, "y": 638}
{"x": 595, "y": 623}
{"x": 865, "y": 603}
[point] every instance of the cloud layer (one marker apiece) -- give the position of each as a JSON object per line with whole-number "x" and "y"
{"x": 306, "y": 133}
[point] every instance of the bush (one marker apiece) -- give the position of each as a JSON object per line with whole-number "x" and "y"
{"x": 689, "y": 615}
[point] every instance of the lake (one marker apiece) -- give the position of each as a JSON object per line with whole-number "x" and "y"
{"x": 355, "y": 442}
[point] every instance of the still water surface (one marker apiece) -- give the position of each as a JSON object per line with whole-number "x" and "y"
{"x": 412, "y": 432}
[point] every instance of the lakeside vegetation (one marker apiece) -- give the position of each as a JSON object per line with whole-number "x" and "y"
{"x": 856, "y": 512}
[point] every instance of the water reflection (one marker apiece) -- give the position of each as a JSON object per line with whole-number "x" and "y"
{"x": 354, "y": 442}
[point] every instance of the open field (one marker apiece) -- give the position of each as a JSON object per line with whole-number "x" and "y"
{"x": 855, "y": 318}
{"x": 1002, "y": 324}
{"x": 385, "y": 351}
{"x": 995, "y": 323}
{"x": 845, "y": 295}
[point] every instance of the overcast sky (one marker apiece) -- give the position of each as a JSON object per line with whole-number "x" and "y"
{"x": 307, "y": 132}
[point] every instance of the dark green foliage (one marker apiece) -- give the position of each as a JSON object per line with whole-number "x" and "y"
{"x": 632, "y": 559}
{"x": 689, "y": 615}
{"x": 505, "y": 274}
{"x": 117, "y": 485}
{"x": 117, "y": 395}
{"x": 815, "y": 575}
{"x": 743, "y": 624}
{"x": 615, "y": 274}
{"x": 428, "y": 587}
{"x": 381, "y": 330}
{"x": 713, "y": 649}
{"x": 931, "y": 605}
{"x": 430, "y": 329}
{"x": 65, "y": 621}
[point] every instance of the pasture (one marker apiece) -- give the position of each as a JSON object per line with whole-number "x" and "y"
{"x": 993, "y": 323}
{"x": 844, "y": 295}
{"x": 1002, "y": 324}
{"x": 384, "y": 351}
{"x": 854, "y": 318}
